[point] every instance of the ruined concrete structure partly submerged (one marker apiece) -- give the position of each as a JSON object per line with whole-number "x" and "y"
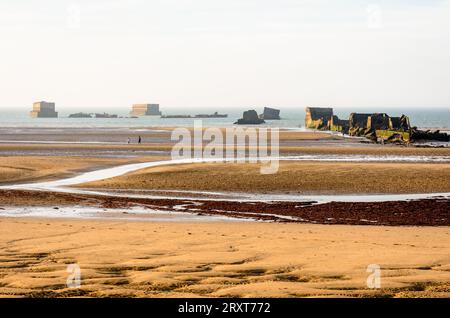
{"x": 43, "y": 110}
{"x": 318, "y": 117}
{"x": 145, "y": 110}
{"x": 250, "y": 117}
{"x": 376, "y": 126}
{"x": 381, "y": 125}
{"x": 270, "y": 114}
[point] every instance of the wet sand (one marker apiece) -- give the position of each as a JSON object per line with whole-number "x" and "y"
{"x": 321, "y": 147}
{"x": 136, "y": 259}
{"x": 421, "y": 212}
{"x": 117, "y": 136}
{"x": 102, "y": 142}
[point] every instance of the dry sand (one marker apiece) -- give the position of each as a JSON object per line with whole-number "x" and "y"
{"x": 298, "y": 177}
{"x": 220, "y": 259}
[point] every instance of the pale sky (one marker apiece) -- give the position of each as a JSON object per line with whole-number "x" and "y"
{"x": 229, "y": 53}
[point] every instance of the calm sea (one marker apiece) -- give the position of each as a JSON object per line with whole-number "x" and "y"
{"x": 291, "y": 118}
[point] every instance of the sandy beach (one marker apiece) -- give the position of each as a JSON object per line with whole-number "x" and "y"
{"x": 146, "y": 259}
{"x": 259, "y": 249}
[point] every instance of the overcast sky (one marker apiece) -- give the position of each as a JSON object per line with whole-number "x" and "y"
{"x": 236, "y": 53}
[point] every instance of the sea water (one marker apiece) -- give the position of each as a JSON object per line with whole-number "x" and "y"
{"x": 292, "y": 117}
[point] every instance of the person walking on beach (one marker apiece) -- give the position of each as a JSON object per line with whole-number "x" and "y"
{"x": 129, "y": 140}
{"x": 139, "y": 140}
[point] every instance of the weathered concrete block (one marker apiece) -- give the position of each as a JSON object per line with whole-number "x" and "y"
{"x": 250, "y": 117}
